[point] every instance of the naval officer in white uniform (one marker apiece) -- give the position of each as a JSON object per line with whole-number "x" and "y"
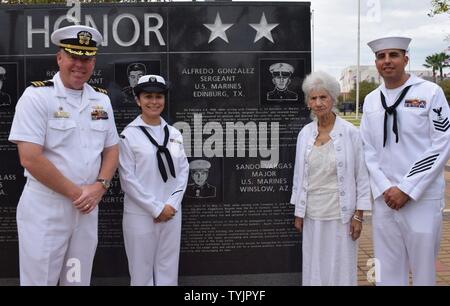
{"x": 68, "y": 144}
{"x": 405, "y": 130}
{"x": 153, "y": 174}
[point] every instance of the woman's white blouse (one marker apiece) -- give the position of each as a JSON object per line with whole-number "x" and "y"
{"x": 323, "y": 191}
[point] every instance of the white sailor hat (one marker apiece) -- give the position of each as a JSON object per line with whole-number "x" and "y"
{"x": 151, "y": 83}
{"x": 77, "y": 40}
{"x": 384, "y": 43}
{"x": 136, "y": 67}
{"x": 281, "y": 67}
{"x": 199, "y": 164}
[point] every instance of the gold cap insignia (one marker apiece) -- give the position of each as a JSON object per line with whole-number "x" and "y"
{"x": 84, "y": 37}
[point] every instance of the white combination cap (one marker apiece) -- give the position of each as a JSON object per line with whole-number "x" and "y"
{"x": 199, "y": 164}
{"x": 281, "y": 67}
{"x": 77, "y": 40}
{"x": 151, "y": 83}
{"x": 384, "y": 43}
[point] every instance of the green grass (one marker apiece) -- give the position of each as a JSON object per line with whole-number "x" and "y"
{"x": 351, "y": 117}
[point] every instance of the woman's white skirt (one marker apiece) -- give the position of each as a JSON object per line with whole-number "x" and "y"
{"x": 329, "y": 254}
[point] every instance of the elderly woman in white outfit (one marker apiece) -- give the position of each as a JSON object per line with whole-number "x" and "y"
{"x": 330, "y": 188}
{"x": 153, "y": 174}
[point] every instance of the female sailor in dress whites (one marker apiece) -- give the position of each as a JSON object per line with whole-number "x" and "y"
{"x": 153, "y": 173}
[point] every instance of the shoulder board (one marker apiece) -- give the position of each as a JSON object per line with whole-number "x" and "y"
{"x": 98, "y": 89}
{"x": 41, "y": 83}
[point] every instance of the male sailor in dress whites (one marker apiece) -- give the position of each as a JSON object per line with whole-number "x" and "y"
{"x": 406, "y": 146}
{"x": 5, "y": 98}
{"x": 199, "y": 170}
{"x": 281, "y": 78}
{"x": 68, "y": 144}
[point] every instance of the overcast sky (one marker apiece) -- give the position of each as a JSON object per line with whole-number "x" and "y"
{"x": 336, "y": 24}
{"x": 335, "y": 30}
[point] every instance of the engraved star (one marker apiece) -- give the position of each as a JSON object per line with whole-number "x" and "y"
{"x": 263, "y": 29}
{"x": 218, "y": 29}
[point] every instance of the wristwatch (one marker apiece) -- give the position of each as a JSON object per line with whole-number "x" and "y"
{"x": 105, "y": 183}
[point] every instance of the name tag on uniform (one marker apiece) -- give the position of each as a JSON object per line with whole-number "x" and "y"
{"x": 418, "y": 103}
{"x": 176, "y": 141}
{"x": 60, "y": 113}
{"x": 98, "y": 113}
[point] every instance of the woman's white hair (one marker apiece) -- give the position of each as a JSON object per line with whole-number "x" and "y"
{"x": 320, "y": 80}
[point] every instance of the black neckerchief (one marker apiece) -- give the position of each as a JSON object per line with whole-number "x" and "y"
{"x": 391, "y": 111}
{"x": 162, "y": 150}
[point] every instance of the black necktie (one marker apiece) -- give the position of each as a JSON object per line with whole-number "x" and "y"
{"x": 391, "y": 111}
{"x": 162, "y": 150}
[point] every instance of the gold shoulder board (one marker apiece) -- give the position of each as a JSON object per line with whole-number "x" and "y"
{"x": 102, "y": 90}
{"x": 41, "y": 83}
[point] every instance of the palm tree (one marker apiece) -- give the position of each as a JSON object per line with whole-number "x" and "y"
{"x": 437, "y": 62}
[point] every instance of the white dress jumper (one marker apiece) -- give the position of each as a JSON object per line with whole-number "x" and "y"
{"x": 407, "y": 240}
{"x": 152, "y": 248}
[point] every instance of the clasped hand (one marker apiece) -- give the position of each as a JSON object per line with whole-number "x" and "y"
{"x": 395, "y": 198}
{"x": 89, "y": 198}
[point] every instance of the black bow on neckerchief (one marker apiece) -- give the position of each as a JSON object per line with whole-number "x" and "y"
{"x": 391, "y": 111}
{"x": 162, "y": 150}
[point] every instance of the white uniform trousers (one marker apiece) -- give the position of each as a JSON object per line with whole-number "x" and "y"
{"x": 153, "y": 249}
{"x": 406, "y": 240}
{"x": 329, "y": 254}
{"x": 56, "y": 242}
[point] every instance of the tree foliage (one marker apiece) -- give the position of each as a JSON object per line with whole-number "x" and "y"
{"x": 445, "y": 84}
{"x": 365, "y": 88}
{"x": 437, "y": 62}
{"x": 439, "y": 7}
